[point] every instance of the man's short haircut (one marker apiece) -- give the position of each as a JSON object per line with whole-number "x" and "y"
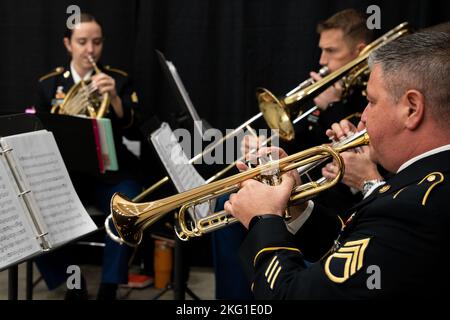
{"x": 418, "y": 61}
{"x": 351, "y": 22}
{"x": 442, "y": 27}
{"x": 84, "y": 17}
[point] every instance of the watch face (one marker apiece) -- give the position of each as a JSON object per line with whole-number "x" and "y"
{"x": 368, "y": 185}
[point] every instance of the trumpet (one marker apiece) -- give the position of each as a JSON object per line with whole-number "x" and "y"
{"x": 279, "y": 112}
{"x": 131, "y": 219}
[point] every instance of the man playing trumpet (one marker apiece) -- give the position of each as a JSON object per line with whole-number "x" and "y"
{"x": 398, "y": 233}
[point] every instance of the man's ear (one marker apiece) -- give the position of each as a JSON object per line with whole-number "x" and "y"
{"x": 360, "y": 46}
{"x": 414, "y": 103}
{"x": 67, "y": 44}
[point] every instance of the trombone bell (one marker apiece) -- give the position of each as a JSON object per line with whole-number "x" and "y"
{"x": 275, "y": 113}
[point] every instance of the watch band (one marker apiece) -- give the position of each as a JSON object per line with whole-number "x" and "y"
{"x": 370, "y": 185}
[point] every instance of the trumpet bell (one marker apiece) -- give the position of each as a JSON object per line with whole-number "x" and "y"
{"x": 125, "y": 222}
{"x": 275, "y": 113}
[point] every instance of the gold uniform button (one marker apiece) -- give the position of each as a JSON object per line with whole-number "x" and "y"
{"x": 431, "y": 178}
{"x": 66, "y": 74}
{"x": 384, "y": 189}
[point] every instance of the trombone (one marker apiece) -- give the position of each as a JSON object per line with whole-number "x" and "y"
{"x": 323, "y": 71}
{"x": 130, "y": 218}
{"x": 278, "y": 112}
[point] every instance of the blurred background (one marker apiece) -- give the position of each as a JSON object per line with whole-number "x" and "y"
{"x": 222, "y": 49}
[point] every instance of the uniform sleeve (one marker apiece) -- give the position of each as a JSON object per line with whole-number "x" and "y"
{"x": 43, "y": 103}
{"x": 392, "y": 251}
{"x": 316, "y": 236}
{"x": 130, "y": 105}
{"x": 279, "y": 271}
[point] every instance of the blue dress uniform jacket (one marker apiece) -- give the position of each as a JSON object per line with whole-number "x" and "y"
{"x": 54, "y": 86}
{"x": 98, "y": 189}
{"x": 393, "y": 246}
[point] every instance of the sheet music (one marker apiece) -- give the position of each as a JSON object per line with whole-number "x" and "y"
{"x": 185, "y": 95}
{"x": 183, "y": 174}
{"x": 17, "y": 236}
{"x": 40, "y": 162}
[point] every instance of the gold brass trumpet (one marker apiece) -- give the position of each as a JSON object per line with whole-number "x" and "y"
{"x": 84, "y": 99}
{"x": 279, "y": 112}
{"x": 130, "y": 219}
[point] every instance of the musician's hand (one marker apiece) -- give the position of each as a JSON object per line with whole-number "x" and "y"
{"x": 342, "y": 130}
{"x": 251, "y": 144}
{"x": 358, "y": 168}
{"x": 277, "y": 153}
{"x": 105, "y": 83}
{"x": 329, "y": 96}
{"x": 256, "y": 198}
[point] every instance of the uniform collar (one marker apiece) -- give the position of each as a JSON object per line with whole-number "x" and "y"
{"x": 421, "y": 166}
{"x": 76, "y": 77}
{"x": 423, "y": 155}
{"x": 413, "y": 173}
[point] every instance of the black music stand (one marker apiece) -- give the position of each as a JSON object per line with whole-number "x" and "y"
{"x": 189, "y": 120}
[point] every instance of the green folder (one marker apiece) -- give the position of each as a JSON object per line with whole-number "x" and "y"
{"x": 107, "y": 144}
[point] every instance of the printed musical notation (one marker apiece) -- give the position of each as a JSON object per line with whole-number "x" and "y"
{"x": 39, "y": 208}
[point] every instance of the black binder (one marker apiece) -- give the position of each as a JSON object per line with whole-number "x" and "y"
{"x": 76, "y": 141}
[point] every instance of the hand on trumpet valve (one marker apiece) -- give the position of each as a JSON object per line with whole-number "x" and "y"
{"x": 250, "y": 145}
{"x": 265, "y": 155}
{"x": 256, "y": 198}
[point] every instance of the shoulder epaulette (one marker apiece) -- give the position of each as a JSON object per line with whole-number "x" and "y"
{"x": 55, "y": 72}
{"x": 108, "y": 68}
{"x": 431, "y": 181}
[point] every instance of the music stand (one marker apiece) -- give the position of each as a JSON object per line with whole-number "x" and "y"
{"x": 179, "y": 285}
{"x": 10, "y": 125}
{"x": 179, "y": 91}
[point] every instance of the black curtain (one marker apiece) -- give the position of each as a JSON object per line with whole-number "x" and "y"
{"x": 223, "y": 49}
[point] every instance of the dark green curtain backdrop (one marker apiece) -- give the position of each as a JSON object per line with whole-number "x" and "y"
{"x": 223, "y": 49}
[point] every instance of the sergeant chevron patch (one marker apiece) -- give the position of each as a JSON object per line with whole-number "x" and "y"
{"x": 272, "y": 272}
{"x": 346, "y": 261}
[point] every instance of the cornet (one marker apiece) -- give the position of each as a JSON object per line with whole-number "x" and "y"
{"x": 130, "y": 219}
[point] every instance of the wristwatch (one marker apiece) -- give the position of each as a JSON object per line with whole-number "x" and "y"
{"x": 370, "y": 185}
